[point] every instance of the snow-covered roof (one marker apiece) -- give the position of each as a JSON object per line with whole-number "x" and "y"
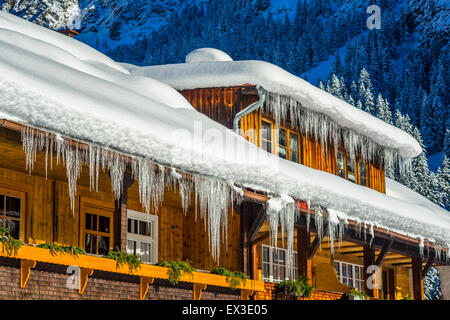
{"x": 53, "y": 82}
{"x": 207, "y": 74}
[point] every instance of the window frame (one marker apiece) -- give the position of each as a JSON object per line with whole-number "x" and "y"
{"x": 357, "y": 283}
{"x": 87, "y": 208}
{"x": 153, "y": 239}
{"x": 23, "y": 201}
{"x": 271, "y": 264}
{"x": 275, "y": 140}
{"x": 357, "y": 172}
{"x": 273, "y": 135}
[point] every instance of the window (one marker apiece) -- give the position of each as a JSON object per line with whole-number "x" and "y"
{"x": 274, "y": 264}
{"x": 351, "y": 170}
{"x": 341, "y": 165}
{"x": 282, "y": 144}
{"x": 346, "y": 168}
{"x": 288, "y": 146}
{"x": 98, "y": 235}
{"x": 11, "y": 214}
{"x": 362, "y": 174}
{"x": 266, "y": 136}
{"x": 142, "y": 237}
{"x": 294, "y": 147}
{"x": 350, "y": 274}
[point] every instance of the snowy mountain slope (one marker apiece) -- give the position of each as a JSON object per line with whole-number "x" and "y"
{"x": 55, "y": 14}
{"x": 110, "y": 23}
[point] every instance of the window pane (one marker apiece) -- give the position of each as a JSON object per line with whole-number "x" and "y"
{"x": 88, "y": 243}
{"x": 267, "y": 146}
{"x": 103, "y": 245}
{"x": 94, "y": 222}
{"x": 146, "y": 252}
{"x": 282, "y": 139}
{"x": 362, "y": 169}
{"x": 2, "y": 205}
{"x": 103, "y": 224}
{"x": 265, "y": 270}
{"x": 336, "y": 267}
{"x": 351, "y": 177}
{"x": 282, "y": 152}
{"x": 275, "y": 274}
{"x": 94, "y": 244}
{"x": 344, "y": 271}
{"x": 266, "y": 130}
{"x": 88, "y": 221}
{"x": 350, "y": 165}
{"x": 281, "y": 256}
{"x": 144, "y": 228}
{"x": 282, "y": 273}
{"x": 350, "y": 271}
{"x": 14, "y": 228}
{"x": 293, "y": 142}
{"x": 131, "y": 247}
{"x": 341, "y": 165}
{"x": 294, "y": 157}
{"x": 265, "y": 254}
{"x": 13, "y": 207}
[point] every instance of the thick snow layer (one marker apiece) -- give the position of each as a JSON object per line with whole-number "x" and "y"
{"x": 47, "y": 85}
{"x": 207, "y": 55}
{"x": 277, "y": 80}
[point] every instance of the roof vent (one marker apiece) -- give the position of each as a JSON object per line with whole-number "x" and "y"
{"x": 207, "y": 55}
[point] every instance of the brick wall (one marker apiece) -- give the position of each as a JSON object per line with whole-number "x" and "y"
{"x": 316, "y": 294}
{"x": 48, "y": 281}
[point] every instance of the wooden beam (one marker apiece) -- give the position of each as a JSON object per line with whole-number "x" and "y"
{"x": 198, "y": 290}
{"x": 25, "y": 269}
{"x": 417, "y": 278}
{"x": 84, "y": 275}
{"x": 256, "y": 225}
{"x": 120, "y": 214}
{"x": 303, "y": 244}
{"x": 428, "y": 266}
{"x": 143, "y": 286}
{"x": 383, "y": 253}
{"x": 254, "y": 267}
{"x": 368, "y": 258}
{"x": 316, "y": 243}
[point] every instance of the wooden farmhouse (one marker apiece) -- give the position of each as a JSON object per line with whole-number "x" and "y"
{"x": 90, "y": 179}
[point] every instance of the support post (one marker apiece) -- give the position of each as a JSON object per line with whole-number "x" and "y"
{"x": 303, "y": 246}
{"x": 198, "y": 290}
{"x": 254, "y": 256}
{"x": 368, "y": 257}
{"x": 417, "y": 278}
{"x": 84, "y": 276}
{"x": 25, "y": 269}
{"x": 120, "y": 214}
{"x": 143, "y": 286}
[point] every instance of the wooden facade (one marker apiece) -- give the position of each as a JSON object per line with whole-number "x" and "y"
{"x": 46, "y": 216}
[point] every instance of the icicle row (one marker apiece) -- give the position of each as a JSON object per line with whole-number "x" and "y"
{"x": 323, "y": 129}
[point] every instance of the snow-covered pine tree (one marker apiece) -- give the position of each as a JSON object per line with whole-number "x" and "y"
{"x": 383, "y": 111}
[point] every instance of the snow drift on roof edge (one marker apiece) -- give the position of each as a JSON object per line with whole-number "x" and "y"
{"x": 275, "y": 79}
